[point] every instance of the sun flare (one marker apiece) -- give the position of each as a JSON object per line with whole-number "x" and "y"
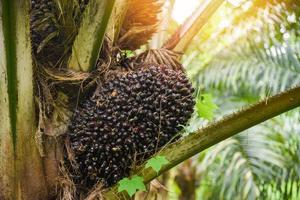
{"x": 183, "y": 9}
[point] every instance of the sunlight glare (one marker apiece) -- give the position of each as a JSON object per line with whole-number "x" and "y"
{"x": 224, "y": 23}
{"x": 236, "y": 3}
{"x": 247, "y": 5}
{"x": 183, "y": 9}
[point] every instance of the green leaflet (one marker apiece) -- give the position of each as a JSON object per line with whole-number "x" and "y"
{"x": 131, "y": 186}
{"x": 205, "y": 106}
{"x": 157, "y": 162}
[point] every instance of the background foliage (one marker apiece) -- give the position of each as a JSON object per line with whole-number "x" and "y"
{"x": 254, "y": 53}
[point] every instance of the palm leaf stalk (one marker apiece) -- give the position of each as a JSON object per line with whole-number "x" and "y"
{"x": 183, "y": 36}
{"x": 88, "y": 43}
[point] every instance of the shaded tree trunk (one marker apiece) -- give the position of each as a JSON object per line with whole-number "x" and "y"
{"x": 157, "y": 189}
{"x": 21, "y": 170}
{"x": 186, "y": 180}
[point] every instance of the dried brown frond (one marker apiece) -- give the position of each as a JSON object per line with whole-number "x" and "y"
{"x": 66, "y": 187}
{"x": 49, "y": 80}
{"x": 140, "y": 23}
{"x": 159, "y": 57}
{"x": 66, "y": 76}
{"x": 96, "y": 193}
{"x": 69, "y": 153}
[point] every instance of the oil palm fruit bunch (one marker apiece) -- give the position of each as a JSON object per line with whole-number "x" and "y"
{"x": 54, "y": 25}
{"x": 129, "y": 118}
{"x": 44, "y": 27}
{"x": 133, "y": 113}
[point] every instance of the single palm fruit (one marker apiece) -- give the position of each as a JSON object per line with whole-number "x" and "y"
{"x": 127, "y": 120}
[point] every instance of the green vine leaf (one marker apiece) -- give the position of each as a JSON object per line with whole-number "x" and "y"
{"x": 205, "y": 106}
{"x": 131, "y": 186}
{"x": 128, "y": 53}
{"x": 157, "y": 162}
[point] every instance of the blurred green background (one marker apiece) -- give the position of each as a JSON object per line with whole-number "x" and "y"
{"x": 248, "y": 50}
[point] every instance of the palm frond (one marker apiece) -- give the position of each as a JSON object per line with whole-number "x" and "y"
{"x": 259, "y": 72}
{"x": 254, "y": 63}
{"x": 255, "y": 164}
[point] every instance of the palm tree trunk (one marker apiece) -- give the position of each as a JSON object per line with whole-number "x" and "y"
{"x": 21, "y": 169}
{"x": 186, "y": 180}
